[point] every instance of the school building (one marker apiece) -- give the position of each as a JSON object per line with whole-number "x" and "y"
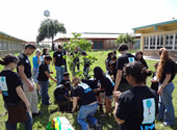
{"x": 10, "y": 44}
{"x": 158, "y": 35}
{"x": 101, "y": 41}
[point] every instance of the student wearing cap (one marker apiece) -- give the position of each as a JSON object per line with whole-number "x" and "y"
{"x": 59, "y": 63}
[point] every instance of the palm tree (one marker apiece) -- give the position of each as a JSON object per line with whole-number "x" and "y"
{"x": 49, "y": 29}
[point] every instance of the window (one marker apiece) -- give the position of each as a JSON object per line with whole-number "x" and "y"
{"x": 176, "y": 41}
{"x": 146, "y": 42}
{"x": 159, "y": 41}
{"x": 0, "y": 45}
{"x": 5, "y": 46}
{"x": 169, "y": 41}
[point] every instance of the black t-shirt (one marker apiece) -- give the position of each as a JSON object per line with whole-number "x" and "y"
{"x": 138, "y": 107}
{"x": 85, "y": 93}
{"x": 9, "y": 82}
{"x": 26, "y": 63}
{"x": 43, "y": 67}
{"x": 121, "y": 61}
{"x": 59, "y": 58}
{"x": 106, "y": 83}
{"x": 60, "y": 90}
{"x": 63, "y": 81}
{"x": 168, "y": 69}
{"x": 144, "y": 63}
{"x": 91, "y": 83}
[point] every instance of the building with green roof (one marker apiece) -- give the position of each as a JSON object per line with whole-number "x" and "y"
{"x": 10, "y": 44}
{"x": 156, "y": 36}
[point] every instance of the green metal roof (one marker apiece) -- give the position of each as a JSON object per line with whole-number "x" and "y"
{"x": 11, "y": 36}
{"x": 157, "y": 24}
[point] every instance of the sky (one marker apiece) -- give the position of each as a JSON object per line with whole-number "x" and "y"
{"x": 22, "y": 18}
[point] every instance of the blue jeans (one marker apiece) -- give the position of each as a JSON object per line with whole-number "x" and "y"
{"x": 87, "y": 112}
{"x": 28, "y": 124}
{"x": 86, "y": 71}
{"x": 166, "y": 109}
{"x": 44, "y": 91}
{"x": 59, "y": 73}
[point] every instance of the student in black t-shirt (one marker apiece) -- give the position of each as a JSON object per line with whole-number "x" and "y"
{"x": 165, "y": 75}
{"x": 24, "y": 70}
{"x": 59, "y": 63}
{"x": 86, "y": 65}
{"x": 136, "y": 108}
{"x": 15, "y": 100}
{"x": 88, "y": 103}
{"x": 107, "y": 85}
{"x": 65, "y": 78}
{"x": 43, "y": 79}
{"x": 107, "y": 62}
{"x": 154, "y": 81}
{"x": 62, "y": 97}
{"x": 139, "y": 56}
{"x": 121, "y": 83}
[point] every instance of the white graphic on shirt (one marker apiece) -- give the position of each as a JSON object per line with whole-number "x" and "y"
{"x": 148, "y": 111}
{"x": 3, "y": 84}
{"x": 27, "y": 61}
{"x": 59, "y": 55}
{"x": 131, "y": 59}
{"x": 85, "y": 87}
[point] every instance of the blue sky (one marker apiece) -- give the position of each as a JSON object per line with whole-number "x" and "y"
{"x": 22, "y": 18}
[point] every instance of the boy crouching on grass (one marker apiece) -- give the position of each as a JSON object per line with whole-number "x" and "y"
{"x": 43, "y": 79}
{"x": 63, "y": 98}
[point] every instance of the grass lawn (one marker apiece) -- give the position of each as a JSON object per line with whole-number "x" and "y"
{"x": 108, "y": 123}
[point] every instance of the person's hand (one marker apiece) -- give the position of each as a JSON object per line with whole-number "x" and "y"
{"x": 30, "y": 87}
{"x": 160, "y": 90}
{"x": 27, "y": 106}
{"x": 116, "y": 95}
{"x": 154, "y": 81}
{"x": 71, "y": 100}
{"x": 55, "y": 80}
{"x": 73, "y": 110}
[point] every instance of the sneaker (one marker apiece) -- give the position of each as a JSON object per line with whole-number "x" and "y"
{"x": 90, "y": 128}
{"x": 47, "y": 104}
{"x": 98, "y": 126}
{"x": 36, "y": 114}
{"x": 39, "y": 93}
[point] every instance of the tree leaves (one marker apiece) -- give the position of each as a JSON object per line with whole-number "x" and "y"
{"x": 49, "y": 29}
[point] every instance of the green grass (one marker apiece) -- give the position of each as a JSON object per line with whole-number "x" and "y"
{"x": 108, "y": 123}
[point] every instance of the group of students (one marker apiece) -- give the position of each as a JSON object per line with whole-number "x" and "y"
{"x": 136, "y": 105}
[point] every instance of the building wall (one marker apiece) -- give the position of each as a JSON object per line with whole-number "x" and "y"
{"x": 8, "y": 46}
{"x": 152, "y": 42}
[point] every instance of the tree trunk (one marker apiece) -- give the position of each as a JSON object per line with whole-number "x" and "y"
{"x": 53, "y": 45}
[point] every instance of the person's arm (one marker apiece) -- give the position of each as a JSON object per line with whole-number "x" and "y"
{"x": 75, "y": 99}
{"x": 39, "y": 59}
{"x": 66, "y": 97}
{"x": 165, "y": 82}
{"x": 118, "y": 120}
{"x": 22, "y": 96}
{"x": 118, "y": 79}
{"x": 49, "y": 76}
{"x": 24, "y": 78}
{"x": 54, "y": 60}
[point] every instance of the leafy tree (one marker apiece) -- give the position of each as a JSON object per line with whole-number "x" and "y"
{"x": 125, "y": 38}
{"x": 48, "y": 29}
{"x": 82, "y": 45}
